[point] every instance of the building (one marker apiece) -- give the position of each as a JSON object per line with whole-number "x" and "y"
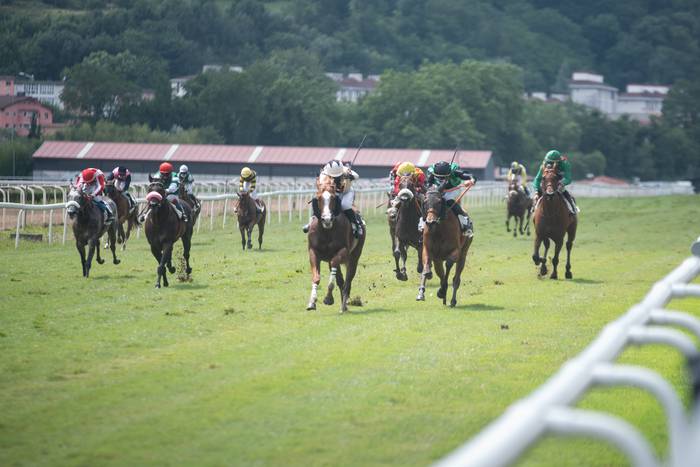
{"x": 353, "y": 86}
{"x": 47, "y": 92}
{"x": 640, "y": 102}
{"x": 17, "y": 112}
{"x": 177, "y": 85}
{"x": 58, "y": 160}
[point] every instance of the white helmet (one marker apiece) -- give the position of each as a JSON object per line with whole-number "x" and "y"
{"x": 333, "y": 169}
{"x": 184, "y": 169}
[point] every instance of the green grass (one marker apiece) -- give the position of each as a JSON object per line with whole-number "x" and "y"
{"x": 231, "y": 369}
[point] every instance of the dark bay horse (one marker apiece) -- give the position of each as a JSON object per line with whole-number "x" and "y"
{"x": 163, "y": 228}
{"x": 552, "y": 221}
{"x": 89, "y": 226}
{"x": 248, "y": 218}
{"x": 520, "y": 207}
{"x": 330, "y": 239}
{"x": 442, "y": 242}
{"x": 403, "y": 228}
{"x": 123, "y": 214}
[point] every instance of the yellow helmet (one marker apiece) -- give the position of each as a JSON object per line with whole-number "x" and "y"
{"x": 246, "y": 172}
{"x": 407, "y": 168}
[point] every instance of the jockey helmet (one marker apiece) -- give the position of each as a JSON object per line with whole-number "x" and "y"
{"x": 333, "y": 169}
{"x": 88, "y": 175}
{"x": 246, "y": 172}
{"x": 514, "y": 165}
{"x": 552, "y": 156}
{"x": 121, "y": 172}
{"x": 407, "y": 168}
{"x": 442, "y": 169}
{"x": 184, "y": 169}
{"x": 166, "y": 168}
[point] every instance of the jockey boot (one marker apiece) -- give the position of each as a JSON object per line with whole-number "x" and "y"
{"x": 464, "y": 220}
{"x": 356, "y": 222}
{"x": 130, "y": 200}
{"x": 571, "y": 204}
{"x": 181, "y": 214}
{"x": 259, "y": 207}
{"x": 421, "y": 224}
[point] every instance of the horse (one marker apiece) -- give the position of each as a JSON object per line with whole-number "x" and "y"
{"x": 123, "y": 214}
{"x": 442, "y": 241}
{"x": 249, "y": 217}
{"x": 552, "y": 221}
{"x": 195, "y": 206}
{"x": 88, "y": 226}
{"x": 163, "y": 228}
{"x": 331, "y": 239}
{"x": 520, "y": 207}
{"x": 403, "y": 226}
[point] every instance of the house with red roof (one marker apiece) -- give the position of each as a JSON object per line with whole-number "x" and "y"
{"x": 17, "y": 112}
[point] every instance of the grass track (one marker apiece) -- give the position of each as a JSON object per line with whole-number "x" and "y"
{"x": 230, "y": 369}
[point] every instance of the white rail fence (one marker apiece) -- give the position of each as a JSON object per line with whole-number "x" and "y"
{"x": 549, "y": 409}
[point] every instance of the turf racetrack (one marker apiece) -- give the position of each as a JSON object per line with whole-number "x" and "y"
{"x": 231, "y": 370}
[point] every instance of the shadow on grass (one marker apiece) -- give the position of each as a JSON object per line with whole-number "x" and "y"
{"x": 112, "y": 277}
{"x": 478, "y": 307}
{"x": 585, "y": 281}
{"x": 366, "y": 311}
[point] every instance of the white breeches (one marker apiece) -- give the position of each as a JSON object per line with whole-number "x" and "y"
{"x": 119, "y": 185}
{"x": 346, "y": 200}
{"x": 454, "y": 193}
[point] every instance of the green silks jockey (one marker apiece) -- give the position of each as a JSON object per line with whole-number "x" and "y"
{"x": 564, "y": 170}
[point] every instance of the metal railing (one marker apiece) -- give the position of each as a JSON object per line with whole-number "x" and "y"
{"x": 548, "y": 410}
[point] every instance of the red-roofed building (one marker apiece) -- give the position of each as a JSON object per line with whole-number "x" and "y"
{"x": 60, "y": 159}
{"x": 16, "y": 113}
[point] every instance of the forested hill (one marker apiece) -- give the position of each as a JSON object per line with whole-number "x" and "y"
{"x": 654, "y": 41}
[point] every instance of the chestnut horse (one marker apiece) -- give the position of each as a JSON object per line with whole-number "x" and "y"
{"x": 163, "y": 228}
{"x": 88, "y": 226}
{"x": 122, "y": 213}
{"x": 520, "y": 207}
{"x": 403, "y": 227}
{"x": 248, "y": 218}
{"x": 552, "y": 221}
{"x": 442, "y": 242}
{"x": 330, "y": 239}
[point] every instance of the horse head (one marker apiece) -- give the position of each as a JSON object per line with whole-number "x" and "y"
{"x": 76, "y": 202}
{"x": 407, "y": 188}
{"x": 156, "y": 195}
{"x": 327, "y": 204}
{"x": 434, "y": 207}
{"x": 513, "y": 189}
{"x": 245, "y": 204}
{"x": 550, "y": 180}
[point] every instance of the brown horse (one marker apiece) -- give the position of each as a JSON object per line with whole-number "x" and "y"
{"x": 403, "y": 227}
{"x": 89, "y": 226}
{"x": 330, "y": 239}
{"x": 123, "y": 213}
{"x": 520, "y": 207}
{"x": 192, "y": 202}
{"x": 248, "y": 218}
{"x": 442, "y": 241}
{"x": 163, "y": 228}
{"x": 552, "y": 221}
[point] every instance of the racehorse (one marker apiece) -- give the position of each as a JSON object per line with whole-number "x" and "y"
{"x": 248, "y": 218}
{"x": 163, "y": 228}
{"x": 331, "y": 239}
{"x": 195, "y": 206}
{"x": 123, "y": 213}
{"x": 88, "y": 226}
{"x": 520, "y": 207}
{"x": 403, "y": 227}
{"x": 552, "y": 221}
{"x": 442, "y": 241}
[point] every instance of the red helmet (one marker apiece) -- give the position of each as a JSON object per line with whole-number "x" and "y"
{"x": 88, "y": 175}
{"x": 166, "y": 168}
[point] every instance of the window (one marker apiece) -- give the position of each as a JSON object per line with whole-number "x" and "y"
{"x": 46, "y": 115}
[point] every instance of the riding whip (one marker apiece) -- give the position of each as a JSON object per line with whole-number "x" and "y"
{"x": 358, "y": 149}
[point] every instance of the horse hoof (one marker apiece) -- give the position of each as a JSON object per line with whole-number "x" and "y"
{"x": 165, "y": 284}
{"x": 171, "y": 269}
{"x": 116, "y": 261}
{"x": 453, "y": 303}
{"x": 553, "y": 276}
{"x": 528, "y": 233}
{"x": 100, "y": 261}
{"x": 420, "y": 298}
{"x": 157, "y": 286}
{"x": 568, "y": 275}
{"x": 310, "y": 307}
{"x": 429, "y": 275}
{"x": 328, "y": 301}
{"x": 188, "y": 270}
{"x": 441, "y": 293}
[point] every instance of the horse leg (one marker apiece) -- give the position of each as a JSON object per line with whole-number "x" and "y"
{"x": 315, "y": 278}
{"x": 420, "y": 259}
{"x": 112, "y": 236}
{"x": 97, "y": 250}
{"x": 93, "y": 245}
{"x": 457, "y": 279}
{"x": 508, "y": 223}
{"x": 242, "y": 229}
{"x": 425, "y": 275}
{"x": 328, "y": 299}
{"x": 349, "y": 276}
{"x": 397, "y": 254}
{"x": 261, "y": 231}
{"x": 571, "y": 235}
{"x": 158, "y": 255}
{"x": 440, "y": 271}
{"x": 543, "y": 266}
{"x": 81, "y": 250}
{"x": 555, "y": 259}
{"x": 167, "y": 256}
{"x": 250, "y": 237}
{"x": 536, "y": 254}
{"x": 520, "y": 219}
{"x": 186, "y": 245}
{"x": 527, "y": 223}
{"x": 403, "y": 248}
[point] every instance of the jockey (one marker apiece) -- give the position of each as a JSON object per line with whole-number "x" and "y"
{"x": 518, "y": 173}
{"x": 343, "y": 176}
{"x": 402, "y": 169}
{"x": 564, "y": 170}
{"x": 392, "y": 178}
{"x": 92, "y": 182}
{"x": 448, "y": 178}
{"x": 246, "y": 184}
{"x": 171, "y": 186}
{"x": 122, "y": 181}
{"x": 185, "y": 177}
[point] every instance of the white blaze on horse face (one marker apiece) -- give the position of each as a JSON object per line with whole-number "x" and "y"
{"x": 326, "y": 210}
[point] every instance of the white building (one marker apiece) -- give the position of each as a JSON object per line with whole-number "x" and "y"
{"x": 47, "y": 92}
{"x": 353, "y": 86}
{"x": 177, "y": 85}
{"x": 641, "y": 101}
{"x": 590, "y": 90}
